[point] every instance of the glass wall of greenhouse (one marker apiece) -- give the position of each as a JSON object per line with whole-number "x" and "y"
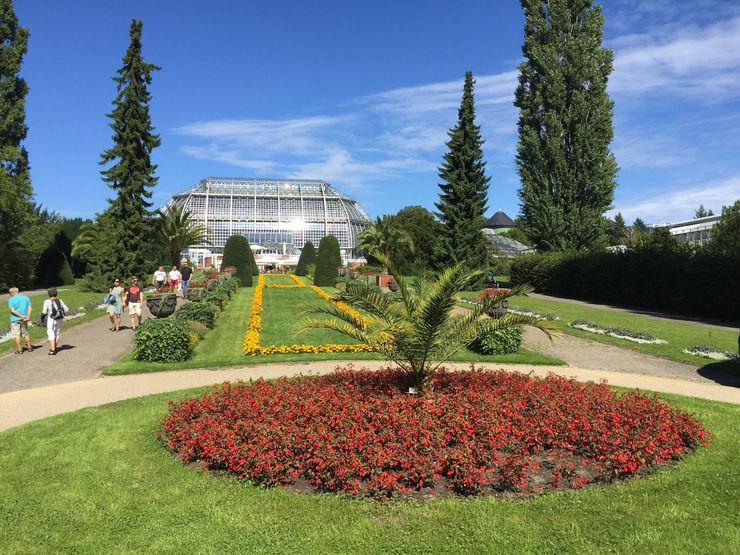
{"x": 277, "y": 216}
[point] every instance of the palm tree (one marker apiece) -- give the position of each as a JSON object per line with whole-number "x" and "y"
{"x": 381, "y": 236}
{"x": 83, "y": 243}
{"x": 176, "y": 230}
{"x": 418, "y": 332}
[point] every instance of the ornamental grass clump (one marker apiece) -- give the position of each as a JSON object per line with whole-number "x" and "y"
{"x": 481, "y": 433}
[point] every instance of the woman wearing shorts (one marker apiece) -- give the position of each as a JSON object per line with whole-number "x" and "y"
{"x": 115, "y": 307}
{"x": 55, "y": 310}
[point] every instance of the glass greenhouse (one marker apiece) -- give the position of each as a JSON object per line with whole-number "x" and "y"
{"x": 277, "y": 216}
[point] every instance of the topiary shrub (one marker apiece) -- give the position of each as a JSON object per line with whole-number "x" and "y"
{"x": 162, "y": 340}
{"x": 238, "y": 253}
{"x": 498, "y": 342}
{"x": 308, "y": 256}
{"x": 327, "y": 262}
{"x": 216, "y": 298}
{"x": 198, "y": 311}
{"x": 53, "y": 268}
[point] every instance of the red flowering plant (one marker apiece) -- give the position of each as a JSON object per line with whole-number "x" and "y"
{"x": 494, "y": 294}
{"x": 482, "y": 432}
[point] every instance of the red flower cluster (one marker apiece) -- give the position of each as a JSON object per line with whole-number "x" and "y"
{"x": 357, "y": 432}
{"x": 492, "y": 293}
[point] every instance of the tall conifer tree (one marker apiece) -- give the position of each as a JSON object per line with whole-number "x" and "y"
{"x": 15, "y": 180}
{"x": 567, "y": 171}
{"x": 127, "y": 222}
{"x": 463, "y": 196}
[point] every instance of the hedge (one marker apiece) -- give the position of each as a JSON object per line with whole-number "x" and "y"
{"x": 499, "y": 342}
{"x": 162, "y": 340}
{"x": 681, "y": 280}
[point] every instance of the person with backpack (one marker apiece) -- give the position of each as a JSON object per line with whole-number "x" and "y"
{"x": 54, "y": 310}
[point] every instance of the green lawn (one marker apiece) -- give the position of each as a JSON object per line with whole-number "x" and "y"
{"x": 678, "y": 335}
{"x": 97, "y": 481}
{"x": 222, "y": 346}
{"x": 72, "y": 296}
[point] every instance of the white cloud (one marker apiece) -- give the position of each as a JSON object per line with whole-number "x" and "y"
{"x": 214, "y": 152}
{"x": 641, "y": 148}
{"x": 680, "y": 204}
{"x": 688, "y": 61}
{"x": 298, "y": 136}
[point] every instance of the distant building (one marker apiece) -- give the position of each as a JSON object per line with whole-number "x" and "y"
{"x": 500, "y": 223}
{"x": 277, "y": 216}
{"x": 694, "y": 232}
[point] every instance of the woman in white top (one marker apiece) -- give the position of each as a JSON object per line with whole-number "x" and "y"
{"x": 55, "y": 310}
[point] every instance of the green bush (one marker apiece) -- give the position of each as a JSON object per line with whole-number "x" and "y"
{"x": 308, "y": 256}
{"x": 499, "y": 342}
{"x": 198, "y": 311}
{"x": 327, "y": 262}
{"x": 217, "y": 298}
{"x": 162, "y": 340}
{"x": 53, "y": 268}
{"x": 658, "y": 274}
{"x": 238, "y": 253}
{"x": 197, "y": 328}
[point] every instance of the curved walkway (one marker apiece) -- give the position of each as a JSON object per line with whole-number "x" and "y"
{"x": 34, "y": 385}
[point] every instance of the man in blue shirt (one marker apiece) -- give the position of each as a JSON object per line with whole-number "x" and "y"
{"x": 20, "y": 315}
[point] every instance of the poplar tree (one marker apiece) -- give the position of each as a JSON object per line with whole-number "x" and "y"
{"x": 127, "y": 224}
{"x": 15, "y": 180}
{"x": 568, "y": 173}
{"x": 463, "y": 196}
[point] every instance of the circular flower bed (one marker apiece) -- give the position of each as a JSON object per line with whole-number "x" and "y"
{"x": 481, "y": 432}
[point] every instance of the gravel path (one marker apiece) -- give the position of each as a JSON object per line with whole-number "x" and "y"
{"x": 35, "y": 385}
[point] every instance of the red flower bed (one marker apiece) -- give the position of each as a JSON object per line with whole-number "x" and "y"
{"x": 493, "y": 293}
{"x": 481, "y": 432}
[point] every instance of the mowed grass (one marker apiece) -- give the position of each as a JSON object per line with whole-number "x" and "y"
{"x": 222, "y": 346}
{"x": 678, "y": 335}
{"x": 72, "y": 296}
{"x": 97, "y": 481}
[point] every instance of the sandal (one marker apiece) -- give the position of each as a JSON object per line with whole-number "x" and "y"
{"x": 19, "y": 351}
{"x": 52, "y": 352}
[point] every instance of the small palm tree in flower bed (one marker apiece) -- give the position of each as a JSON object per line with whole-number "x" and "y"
{"x": 418, "y": 332}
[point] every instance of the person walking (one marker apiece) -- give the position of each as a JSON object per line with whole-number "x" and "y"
{"x": 55, "y": 309}
{"x": 174, "y": 277}
{"x": 20, "y": 314}
{"x": 134, "y": 298}
{"x": 159, "y": 278}
{"x": 186, "y": 274}
{"x": 115, "y": 306}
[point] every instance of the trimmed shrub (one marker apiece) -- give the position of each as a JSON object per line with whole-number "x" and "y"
{"x": 327, "y": 262}
{"x": 162, "y": 340}
{"x": 670, "y": 277}
{"x": 498, "y": 342}
{"x": 238, "y": 253}
{"x": 197, "y": 328}
{"x": 308, "y": 256}
{"x": 53, "y": 268}
{"x": 198, "y": 311}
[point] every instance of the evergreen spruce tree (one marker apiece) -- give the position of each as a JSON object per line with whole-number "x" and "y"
{"x": 307, "y": 257}
{"x": 128, "y": 220}
{"x": 15, "y": 180}
{"x": 327, "y": 262}
{"x": 463, "y": 196}
{"x": 238, "y": 253}
{"x": 567, "y": 171}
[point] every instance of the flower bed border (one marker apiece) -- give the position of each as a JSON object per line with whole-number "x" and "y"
{"x": 251, "y": 345}
{"x": 619, "y": 333}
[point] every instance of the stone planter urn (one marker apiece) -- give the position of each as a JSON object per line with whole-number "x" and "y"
{"x": 161, "y": 305}
{"x": 498, "y": 310}
{"x": 196, "y": 293}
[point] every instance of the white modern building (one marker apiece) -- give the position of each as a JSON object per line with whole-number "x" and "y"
{"x": 694, "y": 232}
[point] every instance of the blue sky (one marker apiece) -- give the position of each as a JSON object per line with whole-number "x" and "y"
{"x": 361, "y": 95}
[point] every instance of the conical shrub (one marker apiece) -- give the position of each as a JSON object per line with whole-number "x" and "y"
{"x": 308, "y": 257}
{"x": 327, "y": 262}
{"x": 238, "y": 253}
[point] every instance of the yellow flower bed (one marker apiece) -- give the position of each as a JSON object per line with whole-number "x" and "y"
{"x": 252, "y": 346}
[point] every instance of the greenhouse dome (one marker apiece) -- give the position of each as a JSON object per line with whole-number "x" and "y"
{"x": 277, "y": 216}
